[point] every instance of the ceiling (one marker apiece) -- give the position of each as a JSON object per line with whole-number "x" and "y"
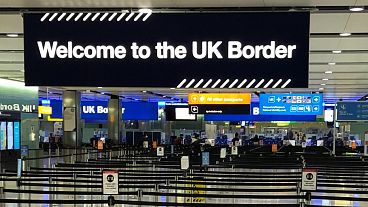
{"x": 348, "y": 81}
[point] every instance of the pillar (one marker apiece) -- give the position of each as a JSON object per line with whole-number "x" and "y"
{"x": 71, "y": 119}
{"x": 114, "y": 119}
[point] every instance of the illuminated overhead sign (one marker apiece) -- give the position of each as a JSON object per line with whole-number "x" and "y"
{"x": 219, "y": 103}
{"x": 291, "y": 104}
{"x": 197, "y": 50}
{"x": 45, "y": 110}
{"x": 219, "y": 98}
{"x": 352, "y": 111}
{"x": 255, "y": 116}
{"x": 98, "y": 110}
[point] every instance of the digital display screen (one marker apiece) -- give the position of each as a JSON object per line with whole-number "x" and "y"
{"x": 183, "y": 114}
{"x": 16, "y": 135}
{"x": 10, "y": 137}
{"x": 265, "y": 48}
{"x": 178, "y": 112}
{"x": 352, "y": 111}
{"x": 2, "y": 135}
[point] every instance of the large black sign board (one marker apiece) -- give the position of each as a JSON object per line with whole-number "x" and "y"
{"x": 260, "y": 46}
{"x": 219, "y": 109}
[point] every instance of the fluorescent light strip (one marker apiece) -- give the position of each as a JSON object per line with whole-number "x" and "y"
{"x": 286, "y": 83}
{"x": 87, "y": 16}
{"x": 216, "y": 83}
{"x": 61, "y": 16}
{"x": 259, "y": 84}
{"x": 208, "y": 83}
{"x": 95, "y": 17}
{"x": 181, "y": 83}
{"x": 129, "y": 16}
{"x": 251, "y": 83}
{"x": 190, "y": 83}
{"x": 70, "y": 16}
{"x": 242, "y": 83}
{"x": 112, "y": 16}
{"x": 104, "y": 16}
{"x": 268, "y": 83}
{"x": 234, "y": 82}
{"x": 225, "y": 83}
{"x": 44, "y": 17}
{"x": 120, "y": 17}
{"x": 78, "y": 16}
{"x": 138, "y": 16}
{"x": 199, "y": 83}
{"x": 53, "y": 16}
{"x": 277, "y": 83}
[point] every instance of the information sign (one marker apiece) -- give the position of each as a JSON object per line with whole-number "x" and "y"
{"x": 160, "y": 151}
{"x": 352, "y": 111}
{"x": 184, "y": 162}
{"x": 234, "y": 150}
{"x": 110, "y": 182}
{"x": 223, "y": 153}
{"x": 291, "y": 104}
{"x": 309, "y": 180}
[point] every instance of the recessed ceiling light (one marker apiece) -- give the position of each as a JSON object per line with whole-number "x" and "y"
{"x": 356, "y": 8}
{"x": 325, "y": 79}
{"x": 172, "y": 88}
{"x": 99, "y": 87}
{"x": 12, "y": 35}
{"x": 345, "y": 34}
{"x": 102, "y": 93}
{"x": 163, "y": 96}
{"x": 336, "y": 51}
{"x": 331, "y": 63}
{"x": 144, "y": 91}
{"x": 321, "y": 89}
{"x": 323, "y": 84}
{"x": 328, "y": 72}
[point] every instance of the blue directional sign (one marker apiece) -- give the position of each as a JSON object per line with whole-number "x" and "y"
{"x": 291, "y": 104}
{"x": 352, "y": 111}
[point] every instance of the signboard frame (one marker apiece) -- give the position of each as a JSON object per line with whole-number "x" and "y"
{"x": 184, "y": 30}
{"x": 107, "y": 174}
{"x": 337, "y": 112}
{"x": 309, "y": 179}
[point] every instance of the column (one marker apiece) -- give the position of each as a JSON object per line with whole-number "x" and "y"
{"x": 114, "y": 119}
{"x": 72, "y": 120}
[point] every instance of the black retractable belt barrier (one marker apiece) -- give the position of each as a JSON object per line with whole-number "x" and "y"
{"x": 111, "y": 201}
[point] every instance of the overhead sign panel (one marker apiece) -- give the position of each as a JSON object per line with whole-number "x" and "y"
{"x": 219, "y": 98}
{"x": 219, "y": 103}
{"x": 197, "y": 50}
{"x": 352, "y": 111}
{"x": 45, "y": 110}
{"x": 291, "y": 104}
{"x": 98, "y": 110}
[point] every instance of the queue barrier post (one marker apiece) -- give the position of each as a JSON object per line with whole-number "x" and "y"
{"x": 2, "y": 195}
{"x": 157, "y": 189}
{"x": 111, "y": 200}
{"x": 140, "y": 195}
{"x": 176, "y": 188}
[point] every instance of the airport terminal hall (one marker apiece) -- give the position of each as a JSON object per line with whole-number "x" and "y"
{"x": 183, "y": 103}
